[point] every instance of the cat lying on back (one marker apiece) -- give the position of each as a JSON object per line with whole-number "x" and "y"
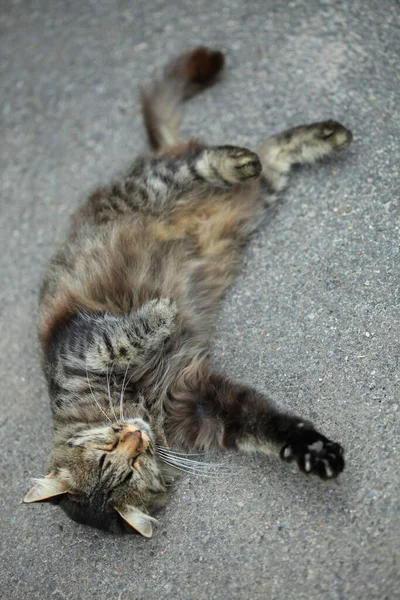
{"x": 127, "y": 309}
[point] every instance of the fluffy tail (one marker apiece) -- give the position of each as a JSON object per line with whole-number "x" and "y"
{"x": 161, "y": 102}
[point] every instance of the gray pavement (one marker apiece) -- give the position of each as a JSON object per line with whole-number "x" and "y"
{"x": 312, "y": 320}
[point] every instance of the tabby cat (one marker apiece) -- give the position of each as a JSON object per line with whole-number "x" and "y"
{"x": 127, "y": 308}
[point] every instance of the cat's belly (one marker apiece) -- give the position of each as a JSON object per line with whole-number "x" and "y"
{"x": 188, "y": 255}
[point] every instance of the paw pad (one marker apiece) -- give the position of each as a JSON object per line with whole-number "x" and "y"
{"x": 314, "y": 453}
{"x": 335, "y": 134}
{"x": 238, "y": 164}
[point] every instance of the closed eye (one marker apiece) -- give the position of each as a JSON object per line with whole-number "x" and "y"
{"x": 101, "y": 461}
{"x": 115, "y": 444}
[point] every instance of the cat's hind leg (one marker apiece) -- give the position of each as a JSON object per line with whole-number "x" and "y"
{"x": 301, "y": 145}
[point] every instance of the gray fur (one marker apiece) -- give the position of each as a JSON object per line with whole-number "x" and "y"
{"x": 127, "y": 309}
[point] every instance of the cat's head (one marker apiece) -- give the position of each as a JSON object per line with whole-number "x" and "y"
{"x": 106, "y": 476}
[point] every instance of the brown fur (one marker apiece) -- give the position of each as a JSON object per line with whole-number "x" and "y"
{"x": 127, "y": 308}
{"x": 188, "y": 75}
{"x": 203, "y": 66}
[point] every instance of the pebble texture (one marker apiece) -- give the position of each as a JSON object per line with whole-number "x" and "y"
{"x": 313, "y": 318}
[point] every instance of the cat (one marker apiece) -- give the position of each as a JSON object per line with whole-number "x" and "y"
{"x": 126, "y": 313}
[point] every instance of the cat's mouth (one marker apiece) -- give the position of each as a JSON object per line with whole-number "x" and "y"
{"x": 132, "y": 441}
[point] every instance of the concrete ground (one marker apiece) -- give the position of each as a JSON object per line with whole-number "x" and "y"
{"x": 313, "y": 318}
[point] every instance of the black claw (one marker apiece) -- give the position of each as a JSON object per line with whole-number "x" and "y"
{"x": 320, "y": 470}
{"x": 312, "y": 450}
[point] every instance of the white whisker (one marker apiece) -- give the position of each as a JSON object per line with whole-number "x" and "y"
{"x": 108, "y": 375}
{"x": 165, "y": 449}
{"x": 186, "y": 469}
{"x": 121, "y": 400}
{"x": 127, "y": 383}
{"x": 191, "y": 466}
{"x": 181, "y": 468}
{"x": 93, "y": 396}
{"x": 189, "y": 461}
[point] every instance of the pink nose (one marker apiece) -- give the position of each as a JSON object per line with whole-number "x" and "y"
{"x": 137, "y": 434}
{"x": 131, "y": 441}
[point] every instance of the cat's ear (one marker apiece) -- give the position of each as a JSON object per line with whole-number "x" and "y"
{"x": 137, "y": 519}
{"x": 46, "y": 488}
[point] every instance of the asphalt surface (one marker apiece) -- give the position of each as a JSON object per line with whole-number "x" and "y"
{"x": 312, "y": 319}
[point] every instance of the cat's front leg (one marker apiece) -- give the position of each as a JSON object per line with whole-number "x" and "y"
{"x": 135, "y": 337}
{"x": 313, "y": 452}
{"x": 209, "y": 411}
{"x": 95, "y": 341}
{"x": 293, "y": 438}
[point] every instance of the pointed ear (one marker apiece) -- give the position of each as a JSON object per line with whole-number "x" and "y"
{"x": 46, "y": 488}
{"x": 138, "y": 520}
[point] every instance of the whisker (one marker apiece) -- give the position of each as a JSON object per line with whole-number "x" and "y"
{"x": 208, "y": 471}
{"x": 182, "y": 468}
{"x": 186, "y": 469}
{"x": 93, "y": 396}
{"x": 195, "y": 470}
{"x": 183, "y": 460}
{"x": 179, "y": 453}
{"x": 127, "y": 383}
{"x": 190, "y": 461}
{"x": 108, "y": 375}
{"x": 121, "y": 401}
{"x": 124, "y": 388}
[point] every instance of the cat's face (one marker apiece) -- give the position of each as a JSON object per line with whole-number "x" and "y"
{"x": 107, "y": 477}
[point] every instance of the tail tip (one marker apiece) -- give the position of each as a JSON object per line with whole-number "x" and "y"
{"x": 203, "y": 65}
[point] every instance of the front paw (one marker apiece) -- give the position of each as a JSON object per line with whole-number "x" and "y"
{"x": 162, "y": 315}
{"x": 157, "y": 321}
{"x": 313, "y": 452}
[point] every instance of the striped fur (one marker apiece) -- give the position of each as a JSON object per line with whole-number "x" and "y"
{"x": 127, "y": 308}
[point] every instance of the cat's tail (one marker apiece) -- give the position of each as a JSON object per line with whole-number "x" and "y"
{"x": 162, "y": 101}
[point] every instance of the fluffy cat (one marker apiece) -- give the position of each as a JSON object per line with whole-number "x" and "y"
{"x": 127, "y": 308}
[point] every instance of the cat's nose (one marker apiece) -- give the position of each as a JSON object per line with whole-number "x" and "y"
{"x": 131, "y": 435}
{"x": 130, "y": 442}
{"x": 136, "y": 433}
{"x": 133, "y": 440}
